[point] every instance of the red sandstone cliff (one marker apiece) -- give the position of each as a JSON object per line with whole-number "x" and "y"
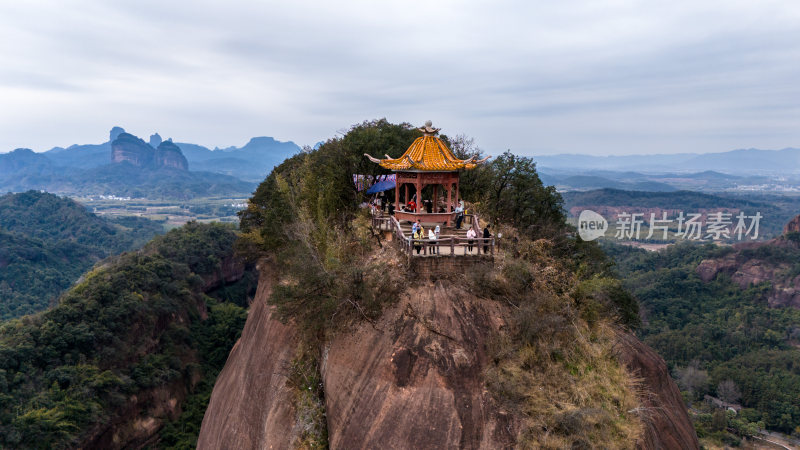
{"x": 793, "y": 226}
{"x": 747, "y": 270}
{"x": 129, "y": 148}
{"x": 666, "y": 421}
{"x": 170, "y": 155}
{"x": 413, "y": 379}
{"x": 251, "y": 406}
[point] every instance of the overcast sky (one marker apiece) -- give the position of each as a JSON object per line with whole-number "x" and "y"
{"x": 537, "y": 77}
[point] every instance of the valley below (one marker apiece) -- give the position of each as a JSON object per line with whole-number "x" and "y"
{"x": 171, "y": 213}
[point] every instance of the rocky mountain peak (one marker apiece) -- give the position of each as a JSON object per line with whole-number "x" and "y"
{"x": 114, "y": 133}
{"x": 155, "y": 140}
{"x": 746, "y": 268}
{"x": 169, "y": 155}
{"x": 793, "y": 226}
{"x": 131, "y": 149}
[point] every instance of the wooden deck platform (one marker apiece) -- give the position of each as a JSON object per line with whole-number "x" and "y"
{"x": 452, "y": 241}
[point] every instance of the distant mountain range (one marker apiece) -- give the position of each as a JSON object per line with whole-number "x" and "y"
{"x": 709, "y": 180}
{"x": 252, "y": 162}
{"x": 126, "y": 165}
{"x": 741, "y": 162}
{"x": 739, "y": 170}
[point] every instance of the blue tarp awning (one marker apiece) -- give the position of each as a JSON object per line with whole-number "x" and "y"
{"x": 381, "y": 186}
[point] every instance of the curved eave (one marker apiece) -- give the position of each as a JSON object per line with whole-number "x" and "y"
{"x": 416, "y": 168}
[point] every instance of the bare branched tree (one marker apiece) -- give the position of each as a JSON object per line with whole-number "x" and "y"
{"x": 728, "y": 392}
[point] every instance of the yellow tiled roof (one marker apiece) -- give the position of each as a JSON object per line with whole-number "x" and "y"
{"x": 428, "y": 153}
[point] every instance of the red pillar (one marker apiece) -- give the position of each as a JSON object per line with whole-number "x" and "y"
{"x": 435, "y": 197}
{"x": 449, "y": 196}
{"x": 406, "y": 197}
{"x": 397, "y": 194}
{"x": 449, "y": 199}
{"x": 456, "y": 190}
{"x": 419, "y": 194}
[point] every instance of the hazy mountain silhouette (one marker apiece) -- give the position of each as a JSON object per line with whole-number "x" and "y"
{"x": 251, "y": 162}
{"x": 743, "y": 162}
{"x": 127, "y": 165}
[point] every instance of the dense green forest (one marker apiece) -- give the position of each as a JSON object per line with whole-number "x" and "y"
{"x": 47, "y": 242}
{"x": 717, "y": 338}
{"x": 141, "y": 323}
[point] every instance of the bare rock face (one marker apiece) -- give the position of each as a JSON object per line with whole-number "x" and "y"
{"x": 414, "y": 379}
{"x": 251, "y": 406}
{"x": 170, "y": 155}
{"x": 666, "y": 420}
{"x": 155, "y": 140}
{"x": 128, "y": 148}
{"x": 785, "y": 291}
{"x": 793, "y": 226}
{"x": 708, "y": 269}
{"x": 114, "y": 133}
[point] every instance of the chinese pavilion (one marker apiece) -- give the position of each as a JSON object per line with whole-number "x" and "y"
{"x": 427, "y": 162}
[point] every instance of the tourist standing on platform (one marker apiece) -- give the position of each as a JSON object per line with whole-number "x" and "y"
{"x": 459, "y": 214}
{"x": 417, "y": 236}
{"x": 432, "y": 239}
{"x": 471, "y": 235}
{"x": 486, "y": 235}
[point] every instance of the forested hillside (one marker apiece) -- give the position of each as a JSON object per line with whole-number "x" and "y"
{"x": 719, "y": 338}
{"x": 129, "y": 355}
{"x": 47, "y": 242}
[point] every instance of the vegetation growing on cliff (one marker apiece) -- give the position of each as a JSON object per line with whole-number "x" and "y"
{"x": 305, "y": 216}
{"x": 714, "y": 332}
{"x": 47, "y": 242}
{"x": 556, "y": 367}
{"x": 564, "y": 300}
{"x": 130, "y": 333}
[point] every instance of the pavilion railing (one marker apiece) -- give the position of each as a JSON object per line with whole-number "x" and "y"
{"x": 445, "y": 245}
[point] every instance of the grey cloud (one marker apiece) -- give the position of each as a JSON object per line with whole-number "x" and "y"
{"x": 587, "y": 76}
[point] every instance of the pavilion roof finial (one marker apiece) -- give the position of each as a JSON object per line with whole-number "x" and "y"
{"x": 428, "y": 129}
